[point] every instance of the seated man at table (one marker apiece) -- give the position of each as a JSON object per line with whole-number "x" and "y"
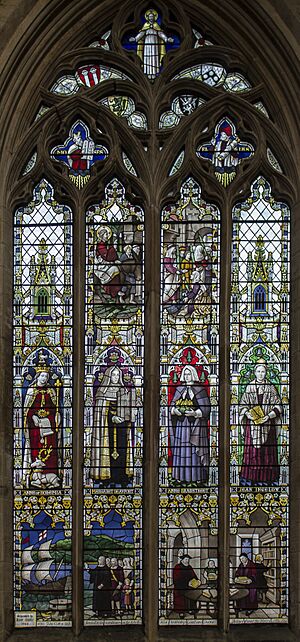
{"x": 247, "y": 569}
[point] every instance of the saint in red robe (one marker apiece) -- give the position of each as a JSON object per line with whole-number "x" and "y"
{"x": 41, "y": 420}
{"x": 109, "y": 255}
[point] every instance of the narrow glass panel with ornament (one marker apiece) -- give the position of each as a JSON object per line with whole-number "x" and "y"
{"x": 189, "y": 350}
{"x": 42, "y": 411}
{"x": 113, "y": 434}
{"x": 259, "y": 471}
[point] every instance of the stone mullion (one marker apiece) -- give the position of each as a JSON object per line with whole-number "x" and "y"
{"x": 78, "y": 413}
{"x": 152, "y": 396}
{"x": 224, "y": 419}
{"x": 294, "y": 521}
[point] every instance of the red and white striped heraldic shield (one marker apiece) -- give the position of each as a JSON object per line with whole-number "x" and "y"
{"x": 91, "y": 75}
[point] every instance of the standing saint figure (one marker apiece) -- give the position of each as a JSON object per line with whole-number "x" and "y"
{"x": 171, "y": 276}
{"x": 260, "y": 416}
{"x": 189, "y": 416}
{"x": 42, "y": 420}
{"x": 151, "y": 47}
{"x": 112, "y": 435}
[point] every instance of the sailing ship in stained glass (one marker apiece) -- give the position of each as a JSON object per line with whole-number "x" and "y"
{"x": 42, "y": 410}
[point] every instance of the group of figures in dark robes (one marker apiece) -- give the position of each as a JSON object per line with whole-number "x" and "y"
{"x": 113, "y": 587}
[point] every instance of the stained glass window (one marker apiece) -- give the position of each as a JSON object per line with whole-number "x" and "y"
{"x": 214, "y": 75}
{"x": 259, "y": 408}
{"x": 189, "y": 408}
{"x": 113, "y": 410}
{"x": 146, "y": 148}
{"x": 225, "y": 151}
{"x": 43, "y": 410}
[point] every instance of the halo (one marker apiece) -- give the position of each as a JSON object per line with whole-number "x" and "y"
{"x": 101, "y": 229}
{"x": 151, "y": 11}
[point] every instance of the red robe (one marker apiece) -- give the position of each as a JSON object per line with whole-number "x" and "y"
{"x": 249, "y": 602}
{"x": 182, "y": 575}
{"x": 78, "y": 163}
{"x": 43, "y": 401}
{"x": 109, "y": 254}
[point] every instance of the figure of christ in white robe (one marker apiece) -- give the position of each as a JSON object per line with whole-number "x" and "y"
{"x": 151, "y": 45}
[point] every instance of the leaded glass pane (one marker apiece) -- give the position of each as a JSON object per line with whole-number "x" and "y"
{"x": 42, "y": 411}
{"x": 113, "y": 437}
{"x": 259, "y": 408}
{"x": 215, "y": 76}
{"x": 188, "y": 470}
{"x": 182, "y": 105}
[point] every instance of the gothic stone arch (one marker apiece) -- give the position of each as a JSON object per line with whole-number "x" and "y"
{"x": 34, "y": 35}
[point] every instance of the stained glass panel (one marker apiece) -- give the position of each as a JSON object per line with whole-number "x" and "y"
{"x": 128, "y": 164}
{"x": 151, "y": 43}
{"x": 30, "y": 165}
{"x": 88, "y": 75}
{"x": 79, "y": 153}
{"x": 182, "y": 105}
{"x": 216, "y": 76}
{"x": 273, "y": 161}
{"x": 103, "y": 42}
{"x": 189, "y": 351}
{"x": 124, "y": 107}
{"x": 177, "y": 164}
{"x": 261, "y": 107}
{"x": 200, "y": 40}
{"x": 225, "y": 151}
{"x": 113, "y": 443}
{"x": 259, "y": 408}
{"x": 42, "y": 411}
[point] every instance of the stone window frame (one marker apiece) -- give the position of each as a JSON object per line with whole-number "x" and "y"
{"x": 37, "y": 47}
